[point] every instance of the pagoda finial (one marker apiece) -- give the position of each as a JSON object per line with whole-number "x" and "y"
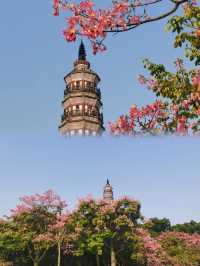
{"x": 82, "y": 53}
{"x": 108, "y": 182}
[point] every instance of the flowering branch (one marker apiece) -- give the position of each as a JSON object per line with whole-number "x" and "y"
{"x": 95, "y": 24}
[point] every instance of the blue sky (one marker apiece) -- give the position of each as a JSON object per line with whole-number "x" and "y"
{"x": 163, "y": 173}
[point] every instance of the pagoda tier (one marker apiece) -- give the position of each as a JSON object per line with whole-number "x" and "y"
{"x": 82, "y": 100}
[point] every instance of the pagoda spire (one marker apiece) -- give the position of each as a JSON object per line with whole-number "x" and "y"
{"x": 82, "y": 53}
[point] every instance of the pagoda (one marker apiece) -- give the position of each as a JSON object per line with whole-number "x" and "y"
{"x": 108, "y": 192}
{"x": 82, "y": 100}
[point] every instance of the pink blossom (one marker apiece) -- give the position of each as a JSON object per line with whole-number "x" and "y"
{"x": 154, "y": 253}
{"x": 141, "y": 79}
{"x": 191, "y": 240}
{"x": 43, "y": 238}
{"x": 182, "y": 127}
{"x": 179, "y": 63}
{"x": 196, "y": 79}
{"x": 135, "y": 20}
{"x": 48, "y": 200}
{"x": 95, "y": 23}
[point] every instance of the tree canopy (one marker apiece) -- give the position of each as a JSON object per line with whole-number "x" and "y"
{"x": 41, "y": 231}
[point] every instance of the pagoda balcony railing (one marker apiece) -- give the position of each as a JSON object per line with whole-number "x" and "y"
{"x": 68, "y": 116}
{"x": 92, "y": 89}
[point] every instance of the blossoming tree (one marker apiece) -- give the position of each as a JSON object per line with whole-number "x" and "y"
{"x": 96, "y": 232}
{"x": 117, "y": 220}
{"x": 33, "y": 218}
{"x": 177, "y": 110}
{"x": 58, "y": 232}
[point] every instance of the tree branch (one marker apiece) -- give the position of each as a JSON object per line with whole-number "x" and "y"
{"x": 170, "y": 12}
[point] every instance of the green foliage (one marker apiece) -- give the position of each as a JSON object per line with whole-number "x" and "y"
{"x": 173, "y": 86}
{"x": 191, "y": 227}
{"x": 12, "y": 246}
{"x": 157, "y": 226}
{"x": 187, "y": 29}
{"x": 30, "y": 227}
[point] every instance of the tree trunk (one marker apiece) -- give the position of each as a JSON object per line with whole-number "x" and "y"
{"x": 78, "y": 262}
{"x": 113, "y": 256}
{"x": 59, "y": 254}
{"x": 98, "y": 260}
{"x": 36, "y": 263}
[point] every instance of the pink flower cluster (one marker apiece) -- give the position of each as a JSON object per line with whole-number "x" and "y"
{"x": 20, "y": 208}
{"x": 61, "y": 220}
{"x": 95, "y": 24}
{"x": 152, "y": 248}
{"x": 48, "y": 200}
{"x": 196, "y": 79}
{"x": 190, "y": 240}
{"x": 89, "y": 200}
{"x": 140, "y": 120}
{"x": 43, "y": 238}
{"x": 157, "y": 118}
{"x": 155, "y": 255}
{"x": 192, "y": 104}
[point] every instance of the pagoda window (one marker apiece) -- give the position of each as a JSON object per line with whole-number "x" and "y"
{"x": 80, "y": 131}
{"x": 93, "y": 111}
{"x": 87, "y": 132}
{"x": 86, "y": 109}
{"x": 72, "y": 132}
{"x": 89, "y": 86}
{"x": 78, "y": 84}
{"x": 73, "y": 109}
{"x": 72, "y": 86}
{"x": 89, "y": 110}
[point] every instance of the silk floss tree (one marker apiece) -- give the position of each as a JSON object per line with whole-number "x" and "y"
{"x": 33, "y": 218}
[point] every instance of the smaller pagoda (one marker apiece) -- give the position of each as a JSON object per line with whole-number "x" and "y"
{"x": 82, "y": 100}
{"x": 108, "y": 192}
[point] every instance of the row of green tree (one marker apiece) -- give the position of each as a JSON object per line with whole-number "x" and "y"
{"x": 42, "y": 231}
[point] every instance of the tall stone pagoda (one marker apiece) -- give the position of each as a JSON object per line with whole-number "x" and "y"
{"x": 82, "y": 100}
{"x": 108, "y": 192}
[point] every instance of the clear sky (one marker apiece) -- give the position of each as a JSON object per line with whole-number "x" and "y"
{"x": 163, "y": 173}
